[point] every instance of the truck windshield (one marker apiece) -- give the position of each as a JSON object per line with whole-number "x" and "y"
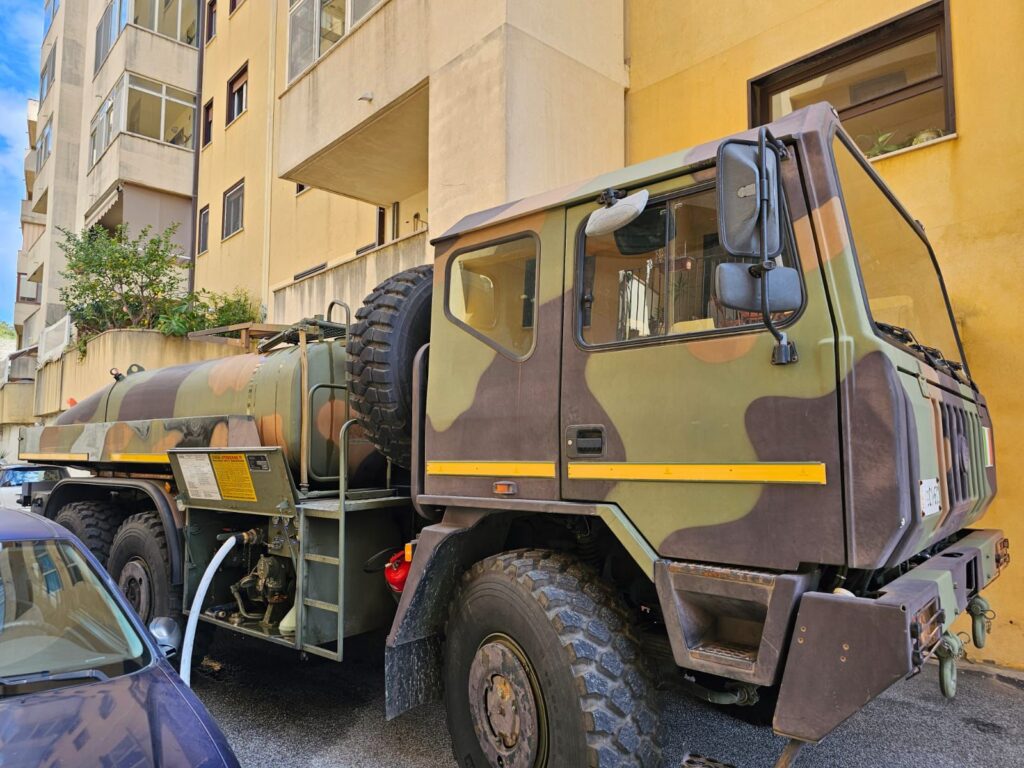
{"x": 900, "y": 278}
{"x": 58, "y": 623}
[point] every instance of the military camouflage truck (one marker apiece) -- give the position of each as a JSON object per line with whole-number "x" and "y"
{"x": 707, "y": 417}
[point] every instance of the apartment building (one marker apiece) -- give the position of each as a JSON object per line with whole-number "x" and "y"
{"x": 399, "y": 116}
{"x": 110, "y": 137}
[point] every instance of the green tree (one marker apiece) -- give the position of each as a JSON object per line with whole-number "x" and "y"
{"x": 118, "y": 281}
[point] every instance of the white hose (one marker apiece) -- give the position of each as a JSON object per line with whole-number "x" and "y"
{"x": 197, "y": 606}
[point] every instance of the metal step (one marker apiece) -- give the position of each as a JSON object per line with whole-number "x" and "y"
{"x": 733, "y": 655}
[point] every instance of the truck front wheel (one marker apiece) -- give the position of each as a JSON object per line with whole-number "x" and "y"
{"x": 542, "y": 668}
{"x": 140, "y": 564}
{"x": 93, "y": 522}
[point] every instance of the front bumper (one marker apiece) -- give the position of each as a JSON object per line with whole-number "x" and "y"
{"x": 847, "y": 650}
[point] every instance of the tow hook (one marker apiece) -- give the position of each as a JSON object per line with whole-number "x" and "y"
{"x": 949, "y": 651}
{"x": 981, "y": 619}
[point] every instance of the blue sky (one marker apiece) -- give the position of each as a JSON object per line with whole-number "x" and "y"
{"x": 21, "y": 32}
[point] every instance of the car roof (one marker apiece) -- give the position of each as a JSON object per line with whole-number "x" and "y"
{"x": 16, "y": 525}
{"x": 29, "y": 466}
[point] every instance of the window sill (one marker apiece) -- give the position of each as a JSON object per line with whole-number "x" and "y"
{"x": 915, "y": 147}
{"x": 209, "y": 40}
{"x": 236, "y": 118}
{"x": 236, "y": 232}
{"x": 231, "y": 14}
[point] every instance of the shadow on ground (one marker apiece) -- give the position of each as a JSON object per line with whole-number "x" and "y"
{"x": 278, "y": 710}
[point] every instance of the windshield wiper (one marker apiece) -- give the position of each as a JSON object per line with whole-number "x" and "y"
{"x": 932, "y": 355}
{"x": 39, "y": 677}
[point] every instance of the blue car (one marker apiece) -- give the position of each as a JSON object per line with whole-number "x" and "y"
{"x": 82, "y": 682}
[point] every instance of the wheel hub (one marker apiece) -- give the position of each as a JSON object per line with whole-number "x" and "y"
{"x": 134, "y": 580}
{"x": 505, "y": 705}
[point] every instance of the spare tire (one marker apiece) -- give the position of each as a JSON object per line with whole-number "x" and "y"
{"x": 389, "y": 329}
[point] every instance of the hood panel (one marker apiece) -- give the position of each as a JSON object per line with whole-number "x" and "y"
{"x": 146, "y": 718}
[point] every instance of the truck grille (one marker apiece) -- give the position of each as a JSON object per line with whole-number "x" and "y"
{"x": 961, "y": 433}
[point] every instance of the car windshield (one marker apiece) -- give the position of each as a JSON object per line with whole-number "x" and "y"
{"x": 902, "y": 283}
{"x": 19, "y": 476}
{"x": 57, "y": 619}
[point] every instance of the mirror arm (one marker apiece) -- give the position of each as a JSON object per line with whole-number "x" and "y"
{"x": 785, "y": 350}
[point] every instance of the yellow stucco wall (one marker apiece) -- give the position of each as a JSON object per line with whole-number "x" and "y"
{"x": 283, "y": 233}
{"x": 689, "y": 66}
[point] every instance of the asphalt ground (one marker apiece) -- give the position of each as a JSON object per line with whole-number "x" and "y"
{"x": 279, "y": 710}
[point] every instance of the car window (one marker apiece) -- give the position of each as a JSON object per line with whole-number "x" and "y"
{"x": 57, "y": 616}
{"x": 19, "y": 476}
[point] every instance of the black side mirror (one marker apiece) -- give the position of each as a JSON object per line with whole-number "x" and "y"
{"x": 749, "y": 227}
{"x": 740, "y": 183}
{"x": 736, "y": 288}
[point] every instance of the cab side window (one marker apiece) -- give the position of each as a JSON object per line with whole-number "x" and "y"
{"x": 655, "y": 277}
{"x": 492, "y": 292}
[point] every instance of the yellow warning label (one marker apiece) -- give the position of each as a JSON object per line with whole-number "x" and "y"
{"x": 233, "y": 476}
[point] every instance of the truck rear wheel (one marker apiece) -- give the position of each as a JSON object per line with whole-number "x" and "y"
{"x": 542, "y": 668}
{"x": 94, "y": 522}
{"x": 140, "y": 564}
{"x": 390, "y": 328}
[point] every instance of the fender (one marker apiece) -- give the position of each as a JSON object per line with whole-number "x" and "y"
{"x": 95, "y": 488}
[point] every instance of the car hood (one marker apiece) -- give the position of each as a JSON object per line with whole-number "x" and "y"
{"x": 146, "y": 718}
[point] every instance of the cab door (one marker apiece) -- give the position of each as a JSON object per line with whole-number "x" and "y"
{"x": 671, "y": 406}
{"x": 492, "y": 396}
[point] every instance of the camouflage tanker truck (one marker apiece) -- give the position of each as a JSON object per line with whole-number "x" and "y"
{"x": 710, "y": 412}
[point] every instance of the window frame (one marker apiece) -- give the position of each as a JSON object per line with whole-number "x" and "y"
{"x": 50, "y": 8}
{"x": 234, "y": 5}
{"x": 206, "y": 138}
{"x": 318, "y": 52}
{"x": 526, "y": 234}
{"x": 48, "y": 74}
{"x": 224, "y": 235}
{"x": 229, "y": 118}
{"x": 203, "y": 232}
{"x": 866, "y": 165}
{"x": 47, "y": 132}
{"x": 788, "y": 238}
{"x": 209, "y": 21}
{"x": 931, "y": 17}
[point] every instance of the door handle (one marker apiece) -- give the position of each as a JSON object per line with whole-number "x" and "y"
{"x": 584, "y": 441}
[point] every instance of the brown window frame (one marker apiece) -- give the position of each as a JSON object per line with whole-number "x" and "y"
{"x": 203, "y": 230}
{"x": 242, "y": 74}
{"x": 210, "y": 30}
{"x": 932, "y": 17}
{"x": 207, "y": 136}
{"x": 224, "y": 234}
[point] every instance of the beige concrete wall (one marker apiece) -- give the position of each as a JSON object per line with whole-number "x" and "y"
{"x": 16, "y": 402}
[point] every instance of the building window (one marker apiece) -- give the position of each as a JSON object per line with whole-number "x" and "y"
{"x": 146, "y": 108}
{"x": 300, "y": 188}
{"x": 234, "y": 207}
{"x": 204, "y": 230}
{"x": 105, "y": 124}
{"x": 208, "y": 122}
{"x": 28, "y": 292}
{"x": 113, "y": 19}
{"x": 44, "y": 144}
{"x": 491, "y": 292}
{"x": 314, "y": 26}
{"x": 50, "y": 8}
{"x": 655, "y": 277}
{"x": 238, "y": 94}
{"x": 159, "y": 111}
{"x": 48, "y": 73}
{"x": 172, "y": 18}
{"x": 892, "y": 85}
{"x": 211, "y": 20}
{"x": 233, "y": 4}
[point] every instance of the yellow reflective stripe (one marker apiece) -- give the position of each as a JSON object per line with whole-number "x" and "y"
{"x": 141, "y": 458}
{"x": 53, "y": 456}
{"x": 492, "y": 468}
{"x": 812, "y": 473}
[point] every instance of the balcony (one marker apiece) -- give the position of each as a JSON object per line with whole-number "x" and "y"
{"x": 369, "y": 94}
{"x": 150, "y": 55}
{"x": 349, "y": 280}
{"x": 30, "y": 170}
{"x": 16, "y": 402}
{"x": 26, "y": 299}
{"x": 138, "y": 160}
{"x": 28, "y": 216}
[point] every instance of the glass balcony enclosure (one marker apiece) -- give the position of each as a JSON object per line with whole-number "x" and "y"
{"x": 143, "y": 107}
{"x": 176, "y": 19}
